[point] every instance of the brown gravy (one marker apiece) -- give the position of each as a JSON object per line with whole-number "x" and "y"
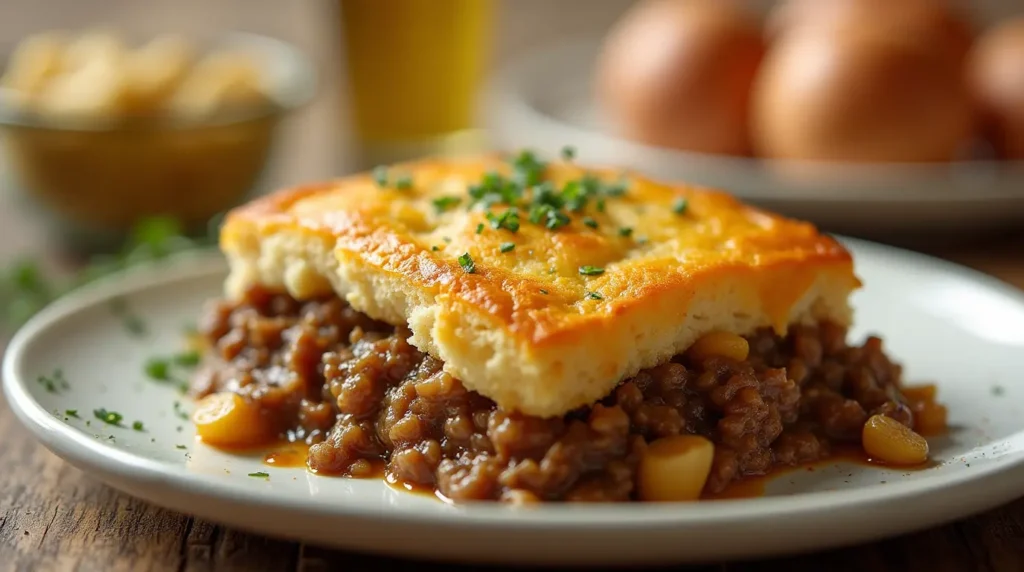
{"x": 294, "y": 455}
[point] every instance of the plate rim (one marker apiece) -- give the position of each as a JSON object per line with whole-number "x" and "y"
{"x": 80, "y": 450}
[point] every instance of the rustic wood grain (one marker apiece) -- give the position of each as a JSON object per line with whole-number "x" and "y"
{"x": 54, "y": 517}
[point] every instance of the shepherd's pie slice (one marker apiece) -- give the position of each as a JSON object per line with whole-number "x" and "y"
{"x": 540, "y": 286}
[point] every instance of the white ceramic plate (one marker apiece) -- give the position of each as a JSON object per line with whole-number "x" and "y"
{"x": 947, "y": 324}
{"x": 543, "y": 100}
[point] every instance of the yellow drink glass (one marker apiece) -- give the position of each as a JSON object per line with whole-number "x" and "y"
{"x": 414, "y": 70}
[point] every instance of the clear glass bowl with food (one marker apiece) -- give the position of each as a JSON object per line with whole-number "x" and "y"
{"x": 101, "y": 133}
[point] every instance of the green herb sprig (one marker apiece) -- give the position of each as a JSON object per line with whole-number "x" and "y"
{"x": 166, "y": 369}
{"x": 108, "y": 417}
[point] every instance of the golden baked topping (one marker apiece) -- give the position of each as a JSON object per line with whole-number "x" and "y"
{"x": 544, "y": 284}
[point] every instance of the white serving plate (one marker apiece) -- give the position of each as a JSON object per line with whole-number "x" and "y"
{"x": 945, "y": 323}
{"x": 543, "y": 100}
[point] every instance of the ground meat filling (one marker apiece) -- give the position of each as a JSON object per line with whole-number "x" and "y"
{"x": 360, "y": 394}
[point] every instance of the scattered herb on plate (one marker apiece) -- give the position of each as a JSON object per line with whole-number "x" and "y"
{"x": 55, "y": 382}
{"x": 189, "y": 358}
{"x": 180, "y": 412}
{"x": 109, "y": 417}
{"x": 162, "y": 369}
{"x": 129, "y": 319}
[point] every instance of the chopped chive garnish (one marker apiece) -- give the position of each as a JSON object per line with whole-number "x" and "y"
{"x": 129, "y": 320}
{"x": 53, "y": 383}
{"x": 47, "y": 383}
{"x": 442, "y": 204}
{"x": 479, "y": 228}
{"x": 593, "y": 296}
{"x": 403, "y": 183}
{"x": 616, "y": 189}
{"x": 187, "y": 359}
{"x": 108, "y": 417}
{"x": 507, "y": 246}
{"x": 679, "y": 207}
{"x": 435, "y": 248}
{"x": 591, "y": 270}
{"x": 380, "y": 176}
{"x": 543, "y": 291}
{"x": 158, "y": 369}
{"x": 625, "y": 232}
{"x": 549, "y": 216}
{"x": 467, "y": 264}
{"x": 138, "y": 426}
{"x": 260, "y": 475}
{"x": 71, "y": 413}
{"x": 529, "y": 196}
{"x": 180, "y": 411}
{"x": 508, "y": 220}
{"x": 180, "y": 447}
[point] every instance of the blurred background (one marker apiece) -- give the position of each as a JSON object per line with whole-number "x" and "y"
{"x": 893, "y": 120}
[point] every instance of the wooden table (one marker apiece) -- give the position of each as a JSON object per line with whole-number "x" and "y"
{"x": 53, "y": 517}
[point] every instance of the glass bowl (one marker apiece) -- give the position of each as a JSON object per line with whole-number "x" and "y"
{"x": 93, "y": 180}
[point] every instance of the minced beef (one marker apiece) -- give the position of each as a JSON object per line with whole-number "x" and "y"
{"x": 360, "y": 394}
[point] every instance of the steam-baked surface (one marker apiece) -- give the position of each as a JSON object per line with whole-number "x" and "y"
{"x": 558, "y": 320}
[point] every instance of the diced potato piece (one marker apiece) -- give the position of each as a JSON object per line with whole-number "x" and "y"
{"x": 229, "y": 420}
{"x": 675, "y": 468}
{"x": 929, "y": 417}
{"x": 916, "y": 393}
{"x": 891, "y": 442}
{"x": 724, "y": 344}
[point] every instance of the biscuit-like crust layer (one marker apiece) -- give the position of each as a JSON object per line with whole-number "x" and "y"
{"x": 522, "y": 329}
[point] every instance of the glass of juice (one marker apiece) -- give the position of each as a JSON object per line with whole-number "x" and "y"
{"x": 414, "y": 68}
